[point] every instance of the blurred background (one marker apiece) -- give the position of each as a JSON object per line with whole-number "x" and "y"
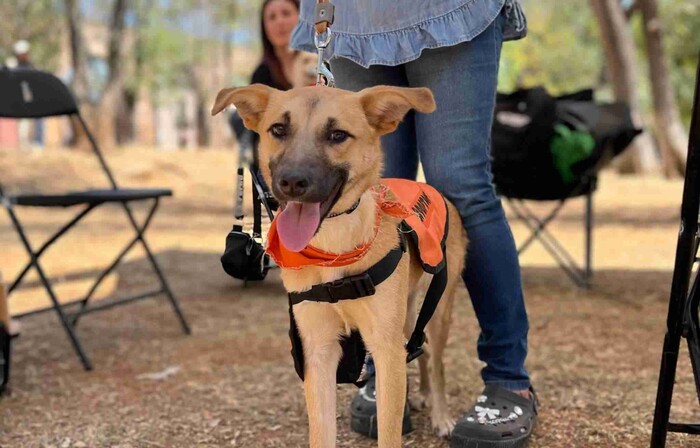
{"x": 148, "y": 70}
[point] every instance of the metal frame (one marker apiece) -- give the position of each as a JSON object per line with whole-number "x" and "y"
{"x": 69, "y": 319}
{"x": 580, "y": 275}
{"x": 683, "y": 308}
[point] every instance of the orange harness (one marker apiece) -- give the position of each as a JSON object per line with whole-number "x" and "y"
{"x": 420, "y": 206}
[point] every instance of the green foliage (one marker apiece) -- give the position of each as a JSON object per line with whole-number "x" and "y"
{"x": 34, "y": 21}
{"x": 560, "y": 52}
{"x": 563, "y": 52}
{"x": 681, "y": 21}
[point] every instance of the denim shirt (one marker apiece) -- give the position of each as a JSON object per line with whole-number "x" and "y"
{"x": 393, "y": 32}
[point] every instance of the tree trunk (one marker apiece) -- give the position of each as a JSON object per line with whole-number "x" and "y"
{"x": 108, "y": 106}
{"x": 202, "y": 118}
{"x": 620, "y": 55}
{"x": 79, "y": 83}
{"x": 75, "y": 21}
{"x": 669, "y": 130}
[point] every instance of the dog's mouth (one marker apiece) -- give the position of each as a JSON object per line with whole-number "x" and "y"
{"x": 298, "y": 222}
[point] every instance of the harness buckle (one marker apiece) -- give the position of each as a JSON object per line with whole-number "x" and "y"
{"x": 414, "y": 354}
{"x": 414, "y": 347}
{"x": 353, "y": 287}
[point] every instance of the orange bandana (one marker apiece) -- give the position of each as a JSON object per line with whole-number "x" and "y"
{"x": 311, "y": 256}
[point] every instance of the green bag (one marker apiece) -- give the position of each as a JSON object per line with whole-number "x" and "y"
{"x": 569, "y": 147}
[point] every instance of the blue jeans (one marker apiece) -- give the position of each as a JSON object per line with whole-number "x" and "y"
{"x": 453, "y": 144}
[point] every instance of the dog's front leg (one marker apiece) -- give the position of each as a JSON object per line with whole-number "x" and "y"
{"x": 390, "y": 363}
{"x": 319, "y": 331}
{"x": 320, "y": 391}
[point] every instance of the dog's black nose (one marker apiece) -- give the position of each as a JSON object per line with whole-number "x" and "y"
{"x": 293, "y": 185}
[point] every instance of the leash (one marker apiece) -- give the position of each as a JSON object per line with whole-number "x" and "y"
{"x": 323, "y": 19}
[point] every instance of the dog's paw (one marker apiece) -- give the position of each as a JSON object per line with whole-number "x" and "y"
{"x": 419, "y": 401}
{"x": 442, "y": 424}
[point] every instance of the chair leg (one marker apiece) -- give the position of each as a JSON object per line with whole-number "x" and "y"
{"x": 539, "y": 232}
{"x": 669, "y": 362}
{"x": 156, "y": 267}
{"x": 54, "y": 300}
{"x": 139, "y": 232}
{"x": 589, "y": 238}
{"x": 64, "y": 319}
{"x": 166, "y": 289}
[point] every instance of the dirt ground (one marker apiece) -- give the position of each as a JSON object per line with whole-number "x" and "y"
{"x": 594, "y": 354}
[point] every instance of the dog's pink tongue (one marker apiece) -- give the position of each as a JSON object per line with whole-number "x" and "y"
{"x": 297, "y": 224}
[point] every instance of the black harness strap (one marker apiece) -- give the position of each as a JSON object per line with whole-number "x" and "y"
{"x": 355, "y": 286}
{"x": 363, "y": 285}
{"x": 414, "y": 347}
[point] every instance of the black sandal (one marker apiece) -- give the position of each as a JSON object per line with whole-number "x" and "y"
{"x": 499, "y": 419}
{"x": 363, "y": 412}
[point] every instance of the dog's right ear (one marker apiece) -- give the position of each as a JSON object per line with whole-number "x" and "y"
{"x": 250, "y": 101}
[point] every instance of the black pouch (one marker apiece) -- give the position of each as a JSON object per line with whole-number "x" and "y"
{"x": 244, "y": 258}
{"x": 350, "y": 368}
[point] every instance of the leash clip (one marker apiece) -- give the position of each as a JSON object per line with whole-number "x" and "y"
{"x": 324, "y": 77}
{"x": 324, "y": 16}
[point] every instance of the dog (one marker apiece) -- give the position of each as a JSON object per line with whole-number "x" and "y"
{"x": 303, "y": 71}
{"x": 320, "y": 152}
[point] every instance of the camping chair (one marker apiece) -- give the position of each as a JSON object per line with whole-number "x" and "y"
{"x": 35, "y": 94}
{"x": 551, "y": 149}
{"x": 684, "y": 301}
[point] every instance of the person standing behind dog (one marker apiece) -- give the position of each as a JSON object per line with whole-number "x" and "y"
{"x": 453, "y": 48}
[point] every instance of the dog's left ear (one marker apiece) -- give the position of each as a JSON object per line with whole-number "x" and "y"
{"x": 385, "y": 106}
{"x": 251, "y": 102}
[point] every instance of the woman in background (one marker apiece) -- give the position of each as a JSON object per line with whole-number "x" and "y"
{"x": 277, "y": 21}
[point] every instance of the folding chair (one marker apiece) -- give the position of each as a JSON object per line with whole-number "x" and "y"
{"x": 580, "y": 275}
{"x": 35, "y": 94}
{"x": 524, "y": 168}
{"x": 683, "y": 307}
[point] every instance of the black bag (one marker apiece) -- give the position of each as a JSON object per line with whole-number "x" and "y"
{"x": 523, "y": 129}
{"x": 524, "y": 126}
{"x": 244, "y": 258}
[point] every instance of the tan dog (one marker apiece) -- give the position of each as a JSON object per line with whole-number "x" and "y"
{"x": 320, "y": 149}
{"x": 304, "y": 69}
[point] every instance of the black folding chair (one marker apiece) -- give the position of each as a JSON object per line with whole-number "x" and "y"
{"x": 683, "y": 307}
{"x": 524, "y": 170}
{"x": 36, "y": 94}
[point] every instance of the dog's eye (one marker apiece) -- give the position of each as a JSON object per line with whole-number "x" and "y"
{"x": 338, "y": 136}
{"x": 278, "y": 130}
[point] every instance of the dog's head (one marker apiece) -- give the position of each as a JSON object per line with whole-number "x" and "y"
{"x": 304, "y": 69}
{"x": 320, "y": 147}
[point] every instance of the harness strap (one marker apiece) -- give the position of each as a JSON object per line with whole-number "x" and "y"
{"x": 414, "y": 347}
{"x": 355, "y": 286}
{"x": 363, "y": 285}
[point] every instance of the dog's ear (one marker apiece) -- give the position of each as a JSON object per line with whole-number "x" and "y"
{"x": 385, "y": 106}
{"x": 251, "y": 102}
